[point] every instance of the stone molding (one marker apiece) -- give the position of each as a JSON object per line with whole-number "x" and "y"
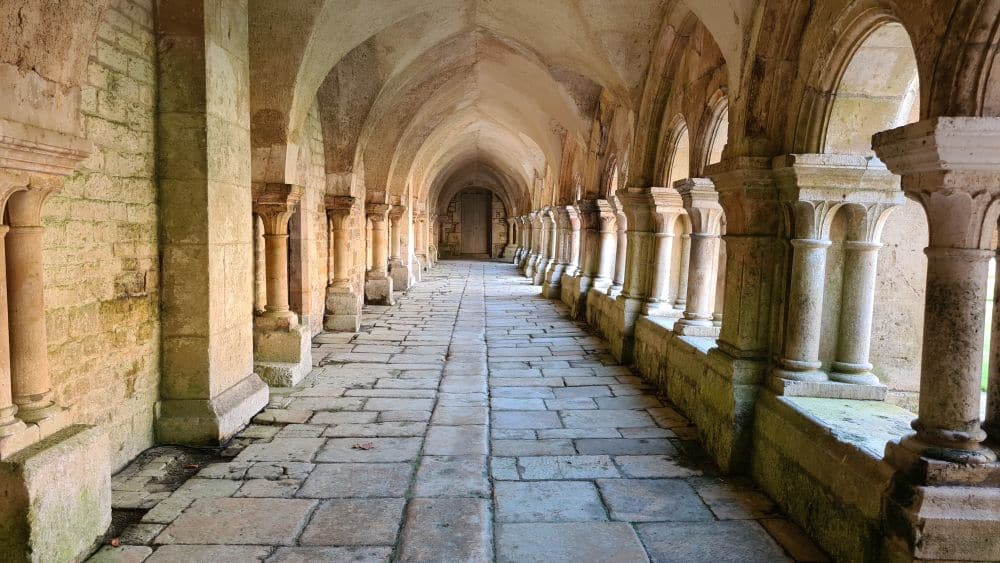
{"x": 40, "y": 151}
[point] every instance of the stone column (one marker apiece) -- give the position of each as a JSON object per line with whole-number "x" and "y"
{"x": 857, "y": 303}
{"x": 531, "y": 259}
{"x": 621, "y": 249}
{"x": 668, "y": 208}
{"x": 572, "y": 241}
{"x": 378, "y": 284}
{"x": 398, "y": 268}
{"x": 511, "y": 247}
{"x": 800, "y": 356}
{"x": 702, "y": 205}
{"x": 282, "y": 347}
{"x": 29, "y": 355}
{"x": 420, "y": 238}
{"x": 10, "y": 425}
{"x": 682, "y": 279}
{"x": 560, "y": 247}
{"x": 343, "y": 303}
{"x": 607, "y": 245}
{"x": 640, "y": 208}
{"x": 545, "y": 250}
{"x": 952, "y": 167}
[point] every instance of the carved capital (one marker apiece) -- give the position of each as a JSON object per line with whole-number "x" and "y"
{"x": 747, "y": 194}
{"x": 396, "y": 211}
{"x": 701, "y": 202}
{"x": 275, "y": 203}
{"x": 377, "y": 212}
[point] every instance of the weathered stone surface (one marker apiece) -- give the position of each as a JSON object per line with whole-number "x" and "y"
{"x": 455, "y": 476}
{"x": 312, "y": 554}
{"x": 286, "y": 449}
{"x": 456, "y": 440}
{"x": 447, "y": 530}
{"x": 336, "y": 522}
{"x": 333, "y": 480}
{"x": 645, "y": 500}
{"x": 358, "y": 450}
{"x": 734, "y": 541}
{"x": 547, "y": 501}
{"x": 220, "y": 553}
{"x": 576, "y": 541}
{"x": 239, "y": 521}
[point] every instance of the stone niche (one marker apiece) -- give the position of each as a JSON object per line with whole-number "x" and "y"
{"x": 450, "y": 222}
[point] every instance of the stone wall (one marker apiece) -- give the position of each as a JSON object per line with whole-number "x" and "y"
{"x": 308, "y": 242}
{"x": 101, "y": 253}
{"x": 450, "y": 225}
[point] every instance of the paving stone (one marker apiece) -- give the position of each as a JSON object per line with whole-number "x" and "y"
{"x": 404, "y": 416}
{"x": 283, "y": 416}
{"x": 392, "y": 393}
{"x": 647, "y": 432}
{"x": 547, "y": 501}
{"x": 532, "y": 447}
{"x": 410, "y": 383}
{"x": 463, "y": 384}
{"x": 522, "y": 393}
{"x": 376, "y": 429}
{"x": 668, "y": 417}
{"x": 567, "y": 467}
{"x": 269, "y": 488}
{"x": 456, "y": 440}
{"x": 122, "y": 554}
{"x": 333, "y": 480}
{"x": 512, "y": 433}
{"x": 578, "y": 433}
{"x": 300, "y": 431}
{"x": 525, "y": 419}
{"x": 517, "y": 404}
{"x": 206, "y": 488}
{"x": 213, "y": 553}
{"x": 796, "y": 543}
{"x": 630, "y": 402}
{"x": 280, "y": 470}
{"x": 353, "y": 417}
{"x": 504, "y": 468}
{"x": 588, "y": 381}
{"x": 579, "y": 403}
{"x": 239, "y": 521}
{"x": 653, "y": 466}
{"x": 141, "y": 533}
{"x": 734, "y": 541}
{"x": 452, "y": 476}
{"x": 380, "y": 404}
{"x": 259, "y": 431}
{"x": 460, "y": 416}
{"x": 626, "y": 446}
{"x": 462, "y": 399}
{"x": 383, "y": 449}
{"x": 327, "y": 404}
{"x": 606, "y": 419}
{"x": 168, "y": 510}
{"x": 345, "y": 522}
{"x": 364, "y": 554}
{"x": 731, "y": 501}
{"x": 286, "y": 449}
{"x": 447, "y": 530}
{"x": 581, "y": 392}
{"x": 607, "y": 542}
{"x": 646, "y": 500}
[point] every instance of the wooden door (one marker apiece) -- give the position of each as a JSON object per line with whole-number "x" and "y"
{"x": 476, "y": 223}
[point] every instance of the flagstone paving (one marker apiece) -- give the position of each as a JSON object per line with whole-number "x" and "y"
{"x": 472, "y": 421}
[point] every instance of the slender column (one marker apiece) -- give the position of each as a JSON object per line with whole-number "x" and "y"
{"x": 395, "y": 215}
{"x": 668, "y": 206}
{"x": 607, "y": 247}
{"x": 29, "y": 357}
{"x": 621, "y": 254}
{"x": 800, "y": 359}
{"x": 573, "y": 241}
{"x": 950, "y": 166}
{"x": 338, "y": 210}
{"x": 274, "y": 204}
{"x": 9, "y": 424}
{"x": 702, "y": 272}
{"x": 682, "y": 279}
{"x": 720, "y": 282}
{"x": 857, "y": 304}
{"x": 379, "y": 243}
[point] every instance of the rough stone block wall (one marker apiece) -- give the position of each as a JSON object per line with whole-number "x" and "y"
{"x": 101, "y": 252}
{"x": 500, "y": 227}
{"x": 308, "y": 230}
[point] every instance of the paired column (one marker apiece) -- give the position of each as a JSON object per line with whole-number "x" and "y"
{"x": 800, "y": 356}
{"x": 282, "y": 355}
{"x": 343, "y": 304}
{"x": 951, "y": 166}
{"x": 378, "y": 284}
{"x": 398, "y": 267}
{"x": 621, "y": 248}
{"x": 530, "y": 262}
{"x": 682, "y": 279}
{"x": 701, "y": 202}
{"x": 547, "y": 231}
{"x": 639, "y": 206}
{"x": 560, "y": 247}
{"x": 668, "y": 207}
{"x": 603, "y": 267}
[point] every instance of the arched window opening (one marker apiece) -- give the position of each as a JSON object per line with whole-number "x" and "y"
{"x": 718, "y": 136}
{"x": 680, "y": 156}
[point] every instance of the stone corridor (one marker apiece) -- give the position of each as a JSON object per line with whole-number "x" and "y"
{"x": 472, "y": 421}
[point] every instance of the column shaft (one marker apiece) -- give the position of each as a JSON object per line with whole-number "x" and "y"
{"x": 276, "y": 257}
{"x": 800, "y": 360}
{"x": 704, "y": 257}
{"x": 663, "y": 251}
{"x": 621, "y": 256}
{"x": 8, "y": 423}
{"x": 857, "y": 304}
{"x": 682, "y": 278}
{"x": 607, "y": 245}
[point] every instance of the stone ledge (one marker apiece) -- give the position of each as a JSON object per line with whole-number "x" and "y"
{"x": 211, "y": 421}
{"x": 827, "y": 389}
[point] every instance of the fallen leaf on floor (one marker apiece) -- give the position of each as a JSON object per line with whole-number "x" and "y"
{"x": 364, "y": 446}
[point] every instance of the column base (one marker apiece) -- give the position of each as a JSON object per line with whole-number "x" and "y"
{"x": 508, "y": 251}
{"x": 282, "y": 358}
{"x": 826, "y": 389}
{"x": 400, "y": 274}
{"x": 538, "y": 277}
{"x": 938, "y": 510}
{"x": 343, "y": 311}
{"x": 575, "y": 293}
{"x": 211, "y": 421}
{"x": 552, "y": 286}
{"x": 57, "y": 497}
{"x": 704, "y": 328}
{"x": 661, "y": 309}
{"x": 621, "y": 335}
{"x": 378, "y": 291}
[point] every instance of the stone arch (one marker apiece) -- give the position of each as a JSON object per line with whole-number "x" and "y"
{"x": 676, "y": 164}
{"x": 717, "y": 132}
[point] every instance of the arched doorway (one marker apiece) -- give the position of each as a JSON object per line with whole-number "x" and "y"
{"x": 476, "y": 220}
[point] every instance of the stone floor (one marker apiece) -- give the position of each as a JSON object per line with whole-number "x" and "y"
{"x": 399, "y": 447}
